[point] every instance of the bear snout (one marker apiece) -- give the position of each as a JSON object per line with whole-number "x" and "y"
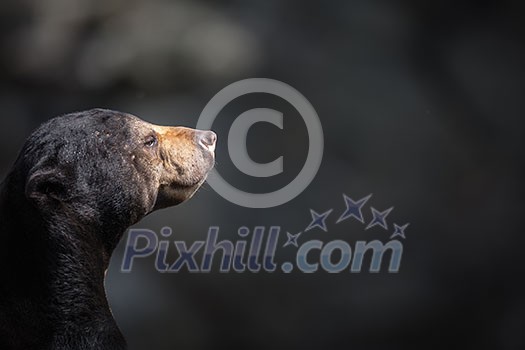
{"x": 207, "y": 139}
{"x": 187, "y": 154}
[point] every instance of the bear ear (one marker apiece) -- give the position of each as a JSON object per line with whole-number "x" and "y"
{"x": 47, "y": 186}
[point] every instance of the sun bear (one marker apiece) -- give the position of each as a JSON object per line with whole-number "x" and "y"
{"x": 79, "y": 182}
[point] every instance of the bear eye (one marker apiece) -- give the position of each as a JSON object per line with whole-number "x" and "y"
{"x": 151, "y": 141}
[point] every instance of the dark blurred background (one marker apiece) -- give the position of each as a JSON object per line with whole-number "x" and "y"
{"x": 421, "y": 103}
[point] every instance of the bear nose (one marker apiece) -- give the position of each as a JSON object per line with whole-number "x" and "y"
{"x": 207, "y": 139}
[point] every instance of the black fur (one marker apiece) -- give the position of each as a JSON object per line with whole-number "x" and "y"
{"x": 69, "y": 198}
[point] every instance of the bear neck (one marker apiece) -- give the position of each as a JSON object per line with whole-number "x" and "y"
{"x": 53, "y": 269}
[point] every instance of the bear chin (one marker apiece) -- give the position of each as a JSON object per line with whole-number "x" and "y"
{"x": 175, "y": 194}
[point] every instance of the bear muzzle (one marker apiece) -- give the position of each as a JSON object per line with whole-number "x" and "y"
{"x": 206, "y": 139}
